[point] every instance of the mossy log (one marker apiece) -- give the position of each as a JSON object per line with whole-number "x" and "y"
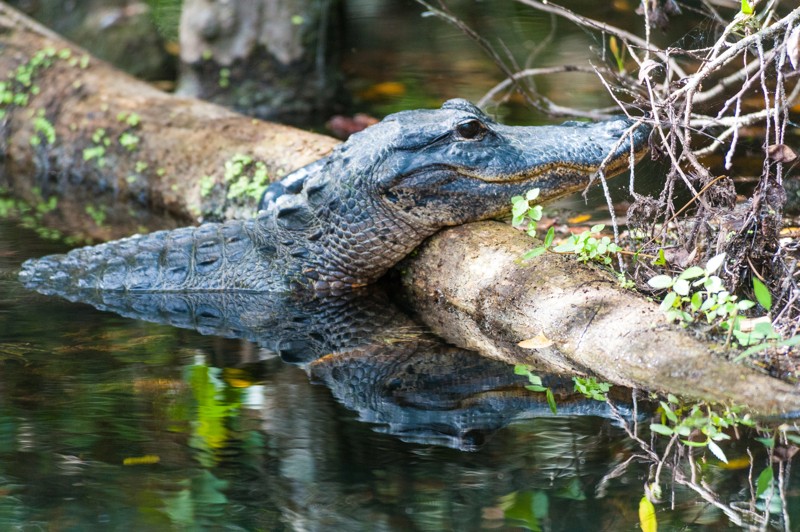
{"x": 117, "y": 154}
{"x": 466, "y": 282}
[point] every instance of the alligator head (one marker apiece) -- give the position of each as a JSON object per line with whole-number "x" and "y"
{"x": 389, "y": 187}
{"x": 349, "y": 218}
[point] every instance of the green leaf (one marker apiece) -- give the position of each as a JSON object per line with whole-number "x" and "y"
{"x": 518, "y": 211}
{"x": 551, "y": 401}
{"x": 521, "y": 369}
{"x": 672, "y": 399}
{"x": 681, "y": 287}
{"x": 713, "y": 284}
{"x": 668, "y": 412}
{"x": 697, "y": 301}
{"x": 769, "y": 443}
{"x": 660, "y": 281}
{"x": 661, "y": 260}
{"x": 692, "y": 272}
{"x": 717, "y": 451}
{"x": 764, "y": 481}
{"x": 695, "y": 443}
{"x": 745, "y": 304}
{"x": 532, "y": 194}
{"x": 669, "y": 300}
{"x": 565, "y": 247}
{"x": 548, "y": 238}
{"x": 791, "y": 342}
{"x": 794, "y": 438}
{"x": 658, "y": 428}
{"x": 597, "y": 228}
{"x": 647, "y": 515}
{"x": 761, "y": 291}
{"x": 747, "y": 9}
{"x": 535, "y": 252}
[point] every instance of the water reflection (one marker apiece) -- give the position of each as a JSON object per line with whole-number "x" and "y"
{"x": 375, "y": 359}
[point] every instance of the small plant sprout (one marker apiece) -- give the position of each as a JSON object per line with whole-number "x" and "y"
{"x": 590, "y": 388}
{"x": 524, "y": 214}
{"x": 588, "y": 247}
{"x": 536, "y": 385}
{"x": 699, "y": 293}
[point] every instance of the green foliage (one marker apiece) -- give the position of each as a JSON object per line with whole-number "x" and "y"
{"x": 95, "y": 153}
{"x": 698, "y": 293}
{"x": 130, "y": 119}
{"x": 536, "y": 385}
{"x": 524, "y": 214}
{"x": 43, "y": 129}
{"x": 587, "y": 247}
{"x": 696, "y": 420}
{"x": 224, "y": 78}
{"x": 206, "y": 185}
{"x": 762, "y": 294}
{"x": 129, "y": 141}
{"x": 647, "y": 515}
{"x": 97, "y": 214}
{"x": 245, "y": 177}
{"x": 590, "y": 388}
{"x": 764, "y": 481}
{"x": 619, "y": 55}
{"x": 21, "y": 85}
{"x": 528, "y": 509}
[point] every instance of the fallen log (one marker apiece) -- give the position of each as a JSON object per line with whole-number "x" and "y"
{"x": 192, "y": 160}
{"x": 469, "y": 286}
{"x": 119, "y": 155}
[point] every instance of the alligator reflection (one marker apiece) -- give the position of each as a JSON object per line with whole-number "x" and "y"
{"x": 374, "y": 358}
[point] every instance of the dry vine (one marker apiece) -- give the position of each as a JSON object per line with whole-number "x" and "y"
{"x": 701, "y": 103}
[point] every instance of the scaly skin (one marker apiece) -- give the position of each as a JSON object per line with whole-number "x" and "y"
{"x": 350, "y": 217}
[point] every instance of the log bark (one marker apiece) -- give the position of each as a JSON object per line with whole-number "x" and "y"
{"x": 465, "y": 282}
{"x": 468, "y": 285}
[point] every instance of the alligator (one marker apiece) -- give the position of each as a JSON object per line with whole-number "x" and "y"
{"x": 350, "y": 217}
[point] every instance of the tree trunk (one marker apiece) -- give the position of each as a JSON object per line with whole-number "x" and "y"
{"x": 273, "y": 59}
{"x": 466, "y": 282}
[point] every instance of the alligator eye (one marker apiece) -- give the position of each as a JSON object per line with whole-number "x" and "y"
{"x": 471, "y": 129}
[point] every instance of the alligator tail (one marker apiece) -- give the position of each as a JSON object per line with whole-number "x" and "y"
{"x": 187, "y": 259}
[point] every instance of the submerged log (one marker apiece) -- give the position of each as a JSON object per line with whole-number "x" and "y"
{"x": 466, "y": 282}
